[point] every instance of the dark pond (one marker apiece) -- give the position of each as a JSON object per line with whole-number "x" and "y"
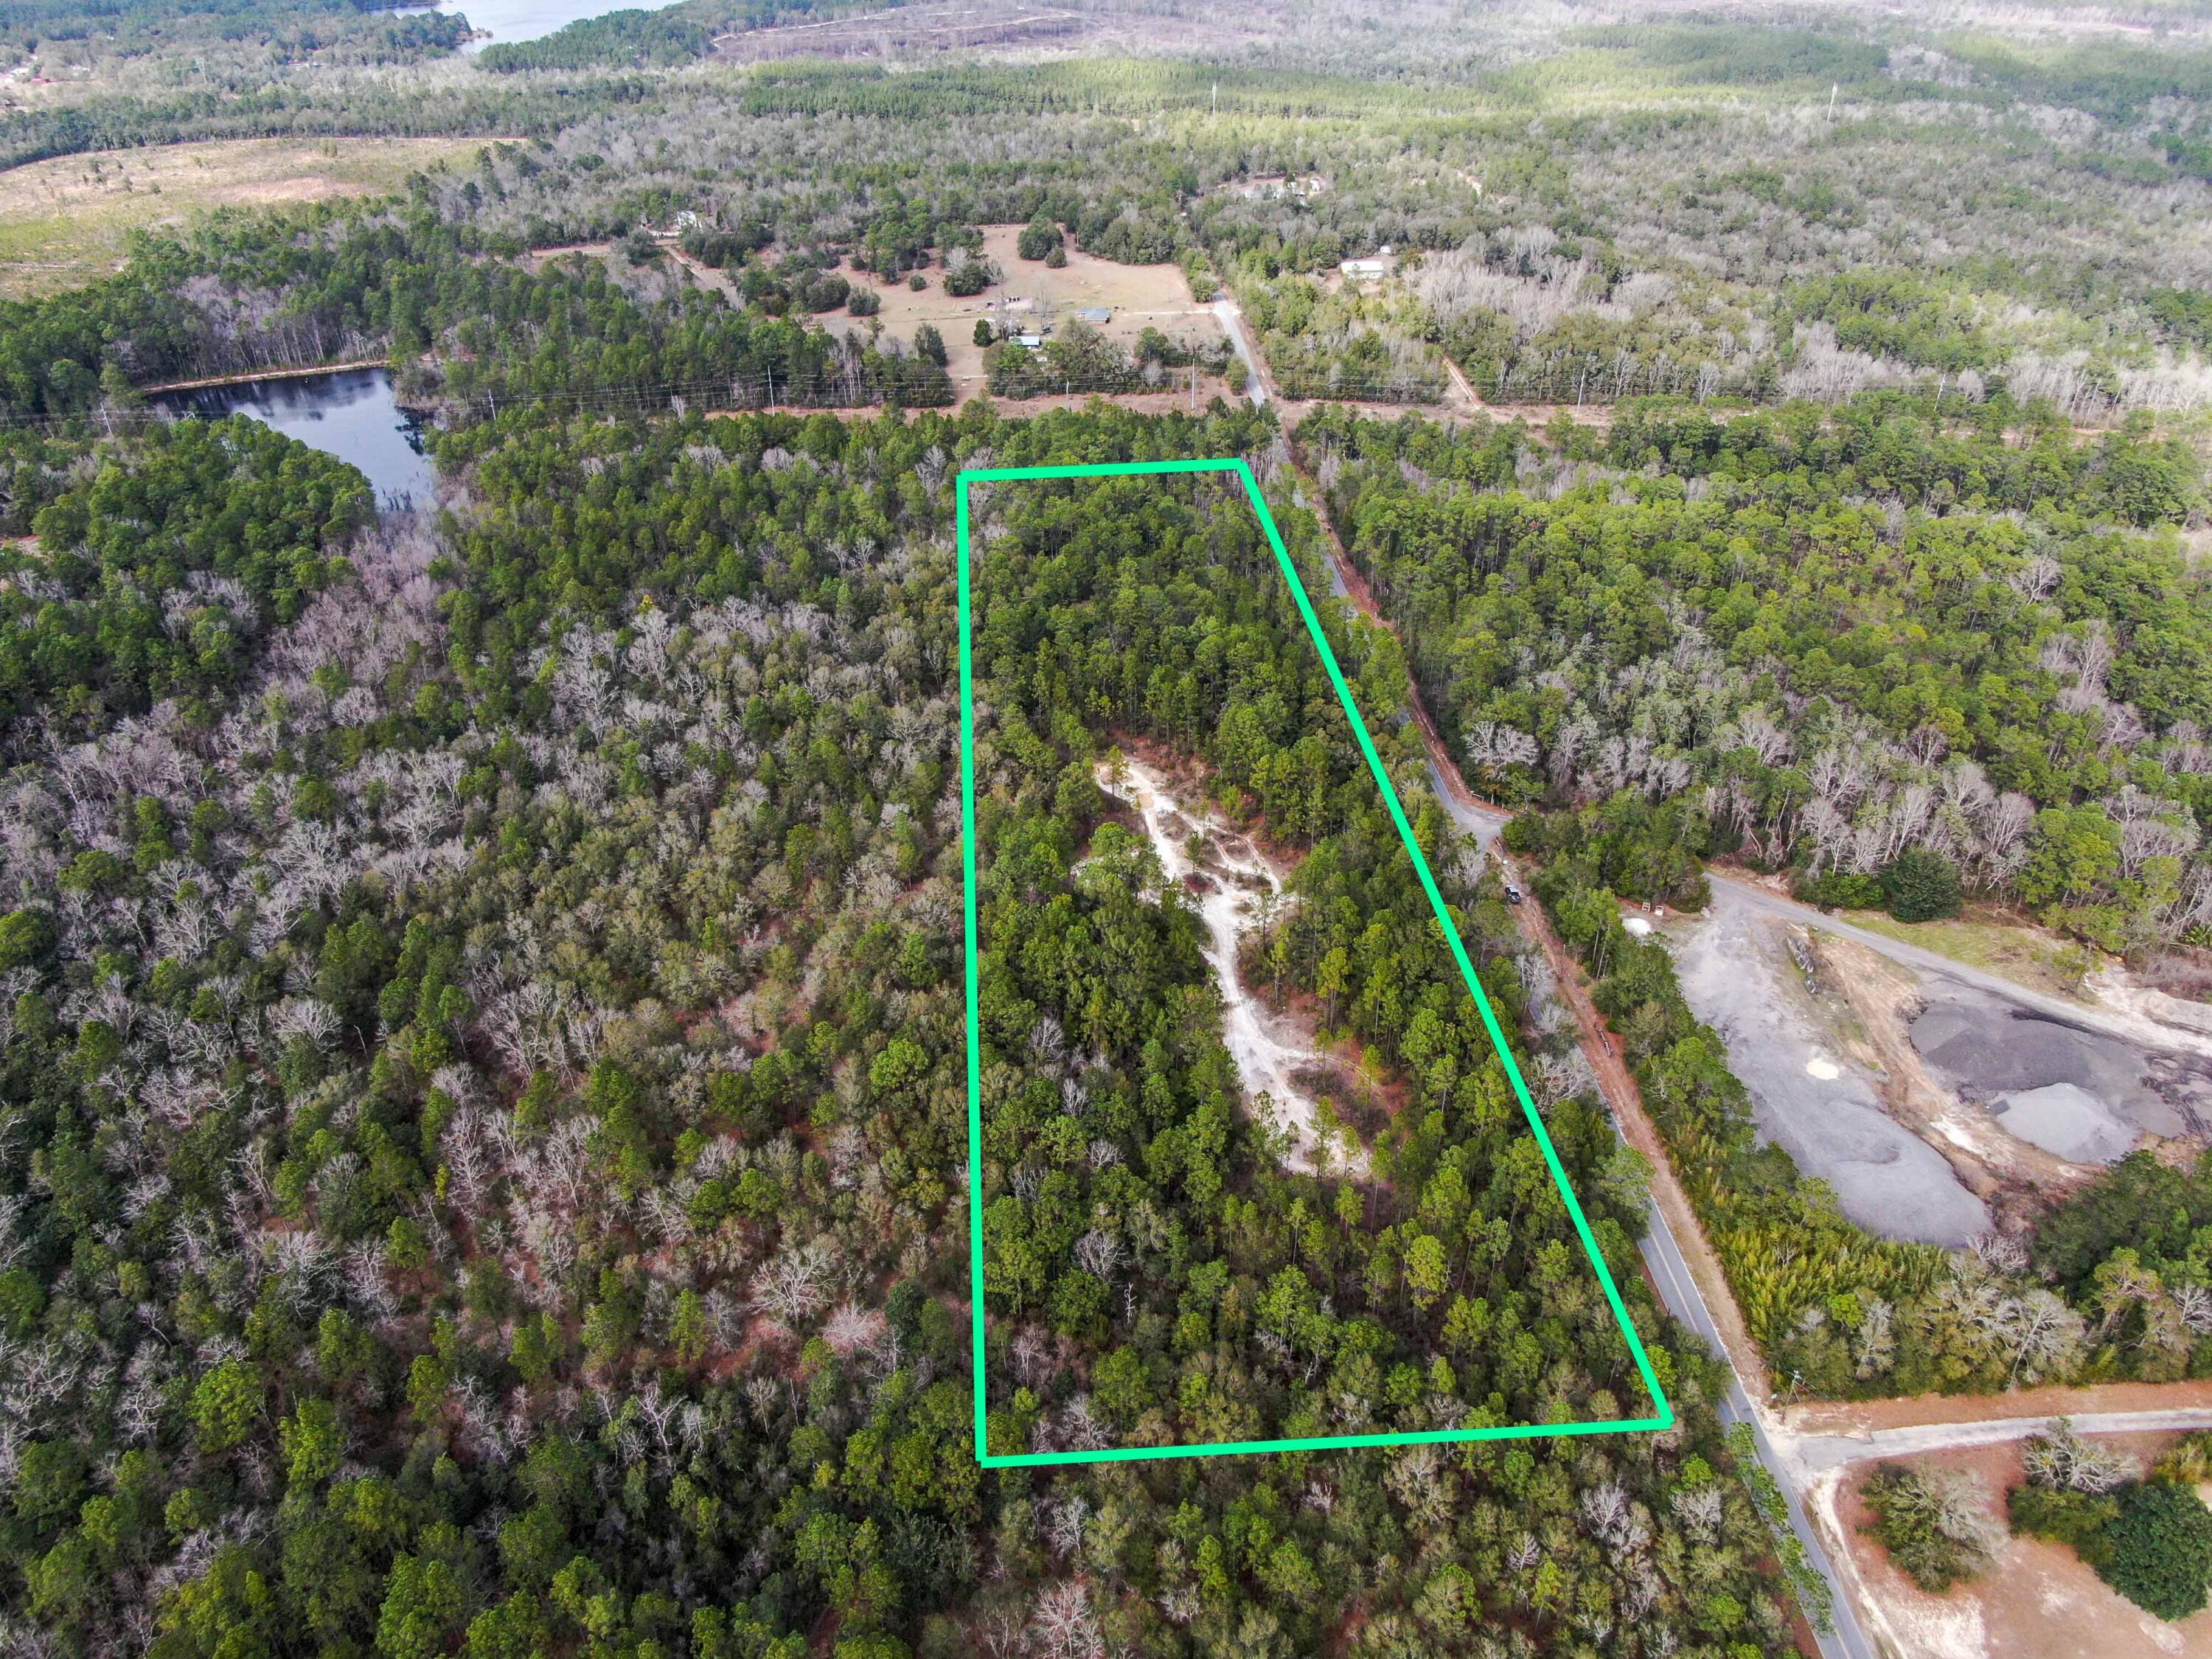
{"x": 349, "y": 414}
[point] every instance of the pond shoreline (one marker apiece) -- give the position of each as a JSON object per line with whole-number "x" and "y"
{"x": 251, "y": 377}
{"x": 353, "y": 413}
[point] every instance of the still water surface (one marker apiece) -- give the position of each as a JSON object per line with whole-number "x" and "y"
{"x": 526, "y": 20}
{"x": 350, "y": 414}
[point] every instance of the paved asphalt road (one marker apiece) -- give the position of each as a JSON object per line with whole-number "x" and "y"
{"x": 1678, "y": 1290}
{"x": 1680, "y": 1294}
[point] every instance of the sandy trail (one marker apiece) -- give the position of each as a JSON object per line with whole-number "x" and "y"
{"x": 1228, "y": 882}
{"x": 1484, "y": 819}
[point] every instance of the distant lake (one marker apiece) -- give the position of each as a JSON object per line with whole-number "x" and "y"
{"x": 526, "y": 20}
{"x": 349, "y": 414}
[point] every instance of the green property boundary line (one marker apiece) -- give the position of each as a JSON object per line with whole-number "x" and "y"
{"x": 1664, "y": 1416}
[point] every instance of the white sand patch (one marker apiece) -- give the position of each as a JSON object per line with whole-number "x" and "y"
{"x": 1822, "y": 1067}
{"x": 1904, "y": 1623}
{"x": 1232, "y": 875}
{"x": 2185, "y": 1024}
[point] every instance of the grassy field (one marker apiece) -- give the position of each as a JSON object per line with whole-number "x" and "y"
{"x": 65, "y": 221}
{"x": 1989, "y": 941}
{"x": 1139, "y": 296}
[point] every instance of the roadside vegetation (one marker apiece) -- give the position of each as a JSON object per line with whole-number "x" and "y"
{"x": 2113, "y": 1283}
{"x": 482, "y": 1039}
{"x": 1696, "y": 667}
{"x": 1893, "y": 656}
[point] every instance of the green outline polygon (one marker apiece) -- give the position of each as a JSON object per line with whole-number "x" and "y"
{"x": 1664, "y": 1418}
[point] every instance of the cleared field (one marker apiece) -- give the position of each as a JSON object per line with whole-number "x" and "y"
{"x": 904, "y": 32}
{"x": 66, "y": 221}
{"x": 1139, "y": 296}
{"x": 999, "y": 29}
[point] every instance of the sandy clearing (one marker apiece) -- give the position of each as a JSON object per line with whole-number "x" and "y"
{"x": 1232, "y": 884}
{"x": 2037, "y": 1602}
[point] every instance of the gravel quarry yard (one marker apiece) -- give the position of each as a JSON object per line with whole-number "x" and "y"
{"x": 1936, "y": 1108}
{"x": 1807, "y": 1094}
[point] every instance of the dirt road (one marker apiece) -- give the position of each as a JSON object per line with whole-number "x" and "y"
{"x": 1818, "y": 1454}
{"x": 1484, "y": 819}
{"x": 1860, "y": 1417}
{"x": 1256, "y": 383}
{"x": 300, "y": 373}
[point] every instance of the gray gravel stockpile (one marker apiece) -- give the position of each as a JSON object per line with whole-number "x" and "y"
{"x": 2067, "y": 1120}
{"x": 1985, "y": 1049}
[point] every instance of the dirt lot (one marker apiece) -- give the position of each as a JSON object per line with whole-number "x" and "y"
{"x": 1876, "y": 1075}
{"x": 2039, "y": 1601}
{"x": 1139, "y": 296}
{"x": 2013, "y": 1175}
{"x": 65, "y": 221}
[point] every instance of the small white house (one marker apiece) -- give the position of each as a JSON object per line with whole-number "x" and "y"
{"x": 1373, "y": 269}
{"x": 1033, "y": 342}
